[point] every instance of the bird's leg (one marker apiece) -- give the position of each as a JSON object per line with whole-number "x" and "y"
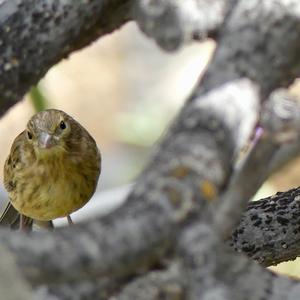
{"x": 70, "y": 222}
{"x": 47, "y": 225}
{"x": 25, "y": 223}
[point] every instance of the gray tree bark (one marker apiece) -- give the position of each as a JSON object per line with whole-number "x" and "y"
{"x": 170, "y": 239}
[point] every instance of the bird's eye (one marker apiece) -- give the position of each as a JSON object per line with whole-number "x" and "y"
{"x": 29, "y": 135}
{"x": 62, "y": 125}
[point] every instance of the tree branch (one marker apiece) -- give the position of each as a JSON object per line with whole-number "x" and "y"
{"x": 250, "y": 44}
{"x": 269, "y": 230}
{"x": 36, "y": 35}
{"x": 280, "y": 123}
{"x": 114, "y": 247}
{"x": 214, "y": 272}
{"x": 171, "y": 23}
{"x": 10, "y": 275}
{"x": 158, "y": 284}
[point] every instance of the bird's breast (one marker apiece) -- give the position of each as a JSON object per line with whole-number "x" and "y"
{"x": 52, "y": 188}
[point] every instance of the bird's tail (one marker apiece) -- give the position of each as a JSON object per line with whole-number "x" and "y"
{"x": 10, "y": 217}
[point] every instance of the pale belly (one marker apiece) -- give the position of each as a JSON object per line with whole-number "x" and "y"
{"x": 47, "y": 196}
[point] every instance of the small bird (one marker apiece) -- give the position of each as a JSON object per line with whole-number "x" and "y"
{"x": 52, "y": 169}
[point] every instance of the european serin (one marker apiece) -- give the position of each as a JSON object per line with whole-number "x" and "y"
{"x": 53, "y": 167}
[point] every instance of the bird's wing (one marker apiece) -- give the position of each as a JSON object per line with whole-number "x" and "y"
{"x": 9, "y": 216}
{"x": 13, "y": 162}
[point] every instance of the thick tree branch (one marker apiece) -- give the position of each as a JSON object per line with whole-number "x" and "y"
{"x": 174, "y": 22}
{"x": 159, "y": 284}
{"x": 214, "y": 272}
{"x": 12, "y": 285}
{"x": 251, "y": 45}
{"x": 269, "y": 230}
{"x": 119, "y": 244}
{"x": 34, "y": 35}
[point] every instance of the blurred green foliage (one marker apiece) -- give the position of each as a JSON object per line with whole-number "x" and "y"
{"x": 38, "y": 99}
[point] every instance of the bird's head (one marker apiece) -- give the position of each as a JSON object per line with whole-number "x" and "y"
{"x": 49, "y": 131}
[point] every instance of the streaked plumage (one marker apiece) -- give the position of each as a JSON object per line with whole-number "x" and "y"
{"x": 53, "y": 167}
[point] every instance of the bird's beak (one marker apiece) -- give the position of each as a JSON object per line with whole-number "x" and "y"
{"x": 46, "y": 140}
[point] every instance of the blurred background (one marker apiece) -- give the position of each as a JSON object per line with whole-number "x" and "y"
{"x": 125, "y": 91}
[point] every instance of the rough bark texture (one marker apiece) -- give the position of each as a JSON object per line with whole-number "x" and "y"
{"x": 279, "y": 122}
{"x": 182, "y": 21}
{"x": 251, "y": 44}
{"x": 12, "y": 285}
{"x": 34, "y": 35}
{"x": 269, "y": 230}
{"x": 168, "y": 225}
